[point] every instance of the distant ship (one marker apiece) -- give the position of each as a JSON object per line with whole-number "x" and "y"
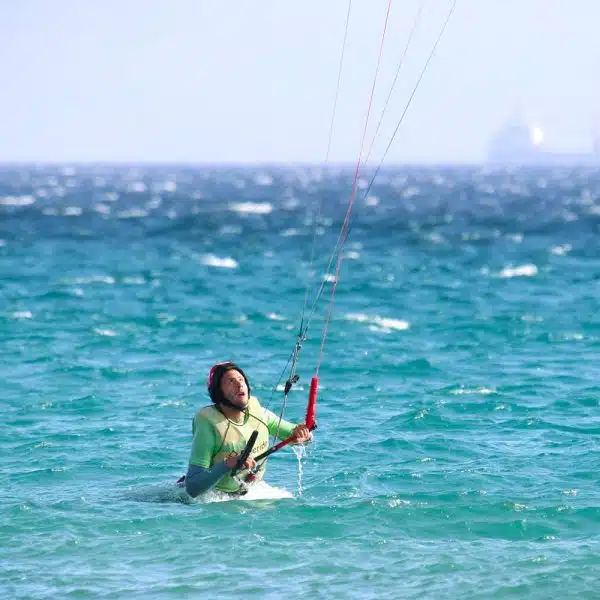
{"x": 518, "y": 144}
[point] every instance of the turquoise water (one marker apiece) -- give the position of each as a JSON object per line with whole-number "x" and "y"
{"x": 457, "y": 448}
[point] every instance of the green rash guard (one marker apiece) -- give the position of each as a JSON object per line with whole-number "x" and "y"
{"x": 215, "y": 437}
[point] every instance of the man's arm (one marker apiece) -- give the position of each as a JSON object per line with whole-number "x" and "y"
{"x": 280, "y": 427}
{"x": 202, "y": 474}
{"x": 198, "y": 479}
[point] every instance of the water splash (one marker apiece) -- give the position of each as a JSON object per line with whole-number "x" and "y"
{"x": 167, "y": 493}
{"x": 300, "y": 452}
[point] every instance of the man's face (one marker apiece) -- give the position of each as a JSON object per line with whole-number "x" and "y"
{"x": 234, "y": 388}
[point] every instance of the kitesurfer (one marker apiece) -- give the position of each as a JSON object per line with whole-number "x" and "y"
{"x": 221, "y": 432}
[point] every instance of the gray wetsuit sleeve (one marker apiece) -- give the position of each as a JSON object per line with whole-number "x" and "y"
{"x": 199, "y": 479}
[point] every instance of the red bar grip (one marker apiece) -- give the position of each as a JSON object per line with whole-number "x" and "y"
{"x": 312, "y": 402}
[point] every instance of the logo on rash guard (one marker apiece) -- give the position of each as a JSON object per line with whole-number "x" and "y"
{"x": 259, "y": 448}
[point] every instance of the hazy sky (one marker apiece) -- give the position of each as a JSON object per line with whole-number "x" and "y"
{"x": 254, "y": 80}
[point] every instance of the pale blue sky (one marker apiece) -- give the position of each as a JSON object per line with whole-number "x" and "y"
{"x": 254, "y": 81}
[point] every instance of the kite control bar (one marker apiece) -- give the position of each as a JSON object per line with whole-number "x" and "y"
{"x": 245, "y": 453}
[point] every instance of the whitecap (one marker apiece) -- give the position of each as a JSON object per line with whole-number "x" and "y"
{"x": 387, "y": 323}
{"x": 522, "y": 271}
{"x": 132, "y": 213}
{"x": 421, "y": 414}
{"x": 561, "y": 250}
{"x": 275, "y": 317}
{"x": 92, "y": 279}
{"x": 211, "y": 260}
{"x": 435, "y": 237}
{"x": 567, "y": 337}
{"x": 468, "y": 391}
{"x": 532, "y": 318}
{"x": 22, "y": 314}
{"x": 379, "y": 324}
{"x": 106, "y": 332}
{"x": 72, "y": 211}
{"x": 176, "y": 403}
{"x": 17, "y": 200}
{"x": 295, "y": 388}
{"x": 252, "y": 208}
{"x": 290, "y": 232}
{"x": 103, "y": 209}
{"x": 358, "y": 317}
{"x": 394, "y": 502}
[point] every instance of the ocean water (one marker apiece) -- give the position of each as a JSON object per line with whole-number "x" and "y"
{"x": 457, "y": 451}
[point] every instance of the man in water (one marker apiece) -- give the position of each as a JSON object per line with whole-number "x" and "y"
{"x": 221, "y": 432}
